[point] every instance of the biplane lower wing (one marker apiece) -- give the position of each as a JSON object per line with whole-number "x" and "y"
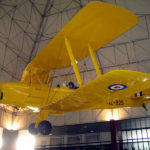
{"x": 111, "y": 90}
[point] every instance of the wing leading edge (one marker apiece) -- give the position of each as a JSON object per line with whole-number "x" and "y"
{"x": 96, "y": 24}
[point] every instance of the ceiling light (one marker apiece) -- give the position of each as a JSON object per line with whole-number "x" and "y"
{"x": 34, "y": 109}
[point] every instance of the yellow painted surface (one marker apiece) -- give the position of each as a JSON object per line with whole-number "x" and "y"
{"x": 22, "y": 95}
{"x": 73, "y": 61}
{"x": 94, "y": 61}
{"x": 94, "y": 95}
{"x": 96, "y": 24}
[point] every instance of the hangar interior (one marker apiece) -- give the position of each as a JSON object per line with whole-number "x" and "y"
{"x": 26, "y": 26}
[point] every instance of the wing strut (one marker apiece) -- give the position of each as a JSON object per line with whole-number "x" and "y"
{"x": 94, "y": 61}
{"x": 75, "y": 67}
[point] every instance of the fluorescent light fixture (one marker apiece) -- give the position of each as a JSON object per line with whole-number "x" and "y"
{"x": 34, "y": 109}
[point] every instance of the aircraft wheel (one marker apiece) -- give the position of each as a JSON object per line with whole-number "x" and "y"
{"x": 32, "y": 129}
{"x": 45, "y": 127}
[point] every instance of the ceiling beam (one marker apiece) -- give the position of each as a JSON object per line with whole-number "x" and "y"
{"x": 40, "y": 30}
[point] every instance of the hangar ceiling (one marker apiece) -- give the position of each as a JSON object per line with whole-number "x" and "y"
{"x": 26, "y": 26}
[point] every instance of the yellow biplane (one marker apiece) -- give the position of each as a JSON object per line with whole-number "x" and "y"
{"x": 94, "y": 26}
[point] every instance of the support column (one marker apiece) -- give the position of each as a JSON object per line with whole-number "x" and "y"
{"x": 9, "y": 138}
{"x": 39, "y": 119}
{"x": 113, "y": 135}
{"x": 94, "y": 61}
{"x": 73, "y": 61}
{"x": 45, "y": 115}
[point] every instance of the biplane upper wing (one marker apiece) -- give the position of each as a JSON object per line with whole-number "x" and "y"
{"x": 96, "y": 24}
{"x": 112, "y": 90}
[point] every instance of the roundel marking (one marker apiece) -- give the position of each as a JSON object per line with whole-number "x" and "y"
{"x": 117, "y": 87}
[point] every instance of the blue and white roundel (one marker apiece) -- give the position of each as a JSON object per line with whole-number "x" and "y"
{"x": 117, "y": 87}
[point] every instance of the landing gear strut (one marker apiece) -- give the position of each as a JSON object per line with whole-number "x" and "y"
{"x": 43, "y": 128}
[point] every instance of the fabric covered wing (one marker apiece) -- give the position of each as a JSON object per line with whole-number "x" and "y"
{"x": 96, "y": 24}
{"x": 98, "y": 95}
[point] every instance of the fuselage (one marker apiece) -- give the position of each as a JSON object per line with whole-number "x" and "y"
{"x": 37, "y": 95}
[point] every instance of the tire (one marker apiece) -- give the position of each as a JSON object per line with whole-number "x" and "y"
{"x": 45, "y": 127}
{"x": 32, "y": 129}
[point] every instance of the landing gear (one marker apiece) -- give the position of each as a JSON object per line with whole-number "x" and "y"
{"x": 44, "y": 128}
{"x": 32, "y": 129}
